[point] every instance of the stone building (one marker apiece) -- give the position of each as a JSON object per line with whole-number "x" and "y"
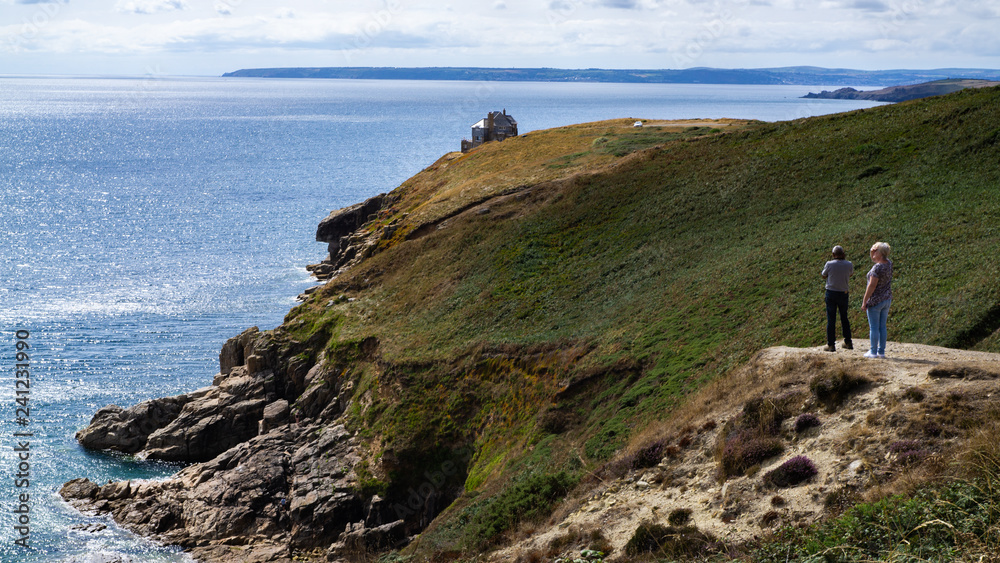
{"x": 496, "y": 126}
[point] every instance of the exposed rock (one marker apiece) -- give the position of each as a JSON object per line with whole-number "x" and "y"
{"x": 345, "y": 221}
{"x": 128, "y": 430}
{"x": 79, "y": 489}
{"x": 340, "y": 230}
{"x": 234, "y": 351}
{"x": 204, "y": 423}
{"x": 293, "y": 487}
{"x": 274, "y": 414}
{"x": 359, "y": 540}
{"x": 264, "y": 479}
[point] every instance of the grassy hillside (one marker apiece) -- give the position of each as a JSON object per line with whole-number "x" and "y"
{"x": 543, "y": 299}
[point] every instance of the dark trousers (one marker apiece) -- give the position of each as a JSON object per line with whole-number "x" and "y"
{"x": 836, "y": 301}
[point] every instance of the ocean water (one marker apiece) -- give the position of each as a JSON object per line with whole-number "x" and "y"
{"x": 147, "y": 220}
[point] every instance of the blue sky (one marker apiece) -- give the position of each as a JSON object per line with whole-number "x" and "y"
{"x": 210, "y": 37}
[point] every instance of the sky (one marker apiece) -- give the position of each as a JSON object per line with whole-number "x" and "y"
{"x": 211, "y": 37}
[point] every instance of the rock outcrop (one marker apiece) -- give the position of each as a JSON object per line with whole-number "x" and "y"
{"x": 273, "y": 469}
{"x": 200, "y": 425}
{"x": 293, "y": 489}
{"x": 347, "y": 242}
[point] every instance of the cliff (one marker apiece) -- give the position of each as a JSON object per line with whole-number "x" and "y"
{"x": 504, "y": 334}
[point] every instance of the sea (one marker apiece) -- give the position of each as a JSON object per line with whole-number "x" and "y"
{"x": 148, "y": 219}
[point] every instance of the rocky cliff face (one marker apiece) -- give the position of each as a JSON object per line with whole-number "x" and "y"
{"x": 273, "y": 472}
{"x": 347, "y": 242}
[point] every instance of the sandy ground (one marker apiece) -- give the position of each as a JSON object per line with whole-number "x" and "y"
{"x": 850, "y": 449}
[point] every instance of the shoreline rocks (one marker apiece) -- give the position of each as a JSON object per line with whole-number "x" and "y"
{"x": 272, "y": 465}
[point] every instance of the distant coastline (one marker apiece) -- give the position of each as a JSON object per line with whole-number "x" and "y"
{"x": 797, "y": 75}
{"x": 904, "y": 93}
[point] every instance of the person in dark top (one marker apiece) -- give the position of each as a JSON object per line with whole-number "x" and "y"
{"x": 837, "y": 273}
{"x": 878, "y": 297}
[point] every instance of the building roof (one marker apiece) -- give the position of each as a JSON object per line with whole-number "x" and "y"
{"x": 499, "y": 119}
{"x": 504, "y": 117}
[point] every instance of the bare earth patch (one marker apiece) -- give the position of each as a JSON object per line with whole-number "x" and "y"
{"x": 918, "y": 408}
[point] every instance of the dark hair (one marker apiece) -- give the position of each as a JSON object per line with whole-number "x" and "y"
{"x": 838, "y": 252}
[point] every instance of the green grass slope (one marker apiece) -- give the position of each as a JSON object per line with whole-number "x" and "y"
{"x": 531, "y": 335}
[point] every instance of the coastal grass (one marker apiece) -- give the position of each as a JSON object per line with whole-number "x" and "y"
{"x": 607, "y": 289}
{"x": 958, "y": 520}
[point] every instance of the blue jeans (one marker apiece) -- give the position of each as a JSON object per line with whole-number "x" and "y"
{"x": 878, "y": 315}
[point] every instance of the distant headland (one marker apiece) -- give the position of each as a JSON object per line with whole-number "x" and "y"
{"x": 794, "y": 75}
{"x": 904, "y": 93}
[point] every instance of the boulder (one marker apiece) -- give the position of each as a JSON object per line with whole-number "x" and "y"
{"x": 274, "y": 414}
{"x": 234, "y": 351}
{"x": 128, "y": 430}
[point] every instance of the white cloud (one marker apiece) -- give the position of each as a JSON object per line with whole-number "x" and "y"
{"x": 568, "y": 33}
{"x": 149, "y": 6}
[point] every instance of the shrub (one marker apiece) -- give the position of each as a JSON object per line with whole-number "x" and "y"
{"x": 769, "y": 519}
{"x": 649, "y": 456}
{"x": 679, "y": 516}
{"x": 911, "y": 457}
{"x": 669, "y": 541}
{"x": 528, "y": 499}
{"x": 764, "y": 414}
{"x": 833, "y": 388}
{"x": 744, "y": 449}
{"x": 753, "y": 437}
{"x": 806, "y": 421}
{"x": 959, "y": 371}
{"x": 792, "y": 472}
{"x": 902, "y": 446}
{"x": 914, "y": 394}
{"x": 932, "y": 428}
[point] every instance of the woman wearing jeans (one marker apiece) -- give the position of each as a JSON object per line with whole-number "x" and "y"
{"x": 878, "y": 297}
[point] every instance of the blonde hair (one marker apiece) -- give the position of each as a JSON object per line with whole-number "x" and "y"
{"x": 883, "y": 248}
